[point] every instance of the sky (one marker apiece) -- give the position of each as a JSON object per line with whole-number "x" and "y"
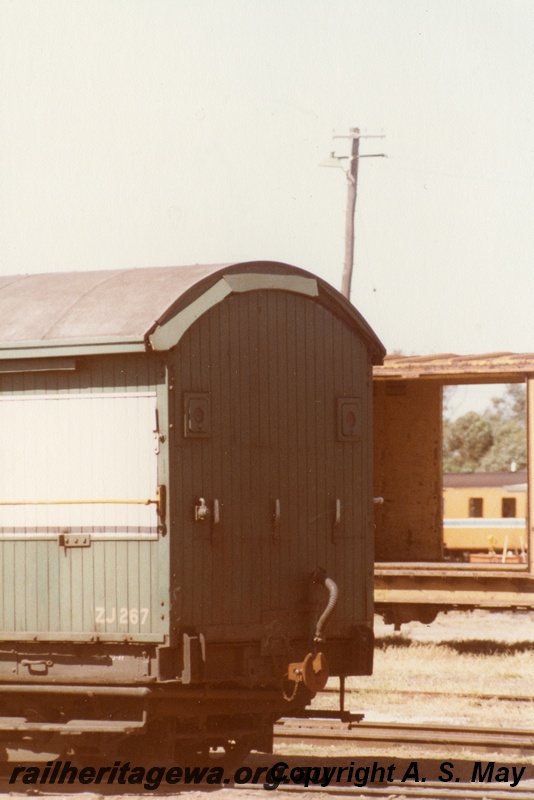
{"x": 141, "y": 133}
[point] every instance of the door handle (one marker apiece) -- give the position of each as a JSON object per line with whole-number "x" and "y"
{"x": 276, "y": 518}
{"x": 203, "y": 512}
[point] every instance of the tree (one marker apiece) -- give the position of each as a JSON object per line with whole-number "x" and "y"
{"x": 465, "y": 442}
{"x": 448, "y": 393}
{"x": 507, "y": 417}
{"x": 488, "y": 442}
{"x": 512, "y": 405}
{"x": 509, "y": 447}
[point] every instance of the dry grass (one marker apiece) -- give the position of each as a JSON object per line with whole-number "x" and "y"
{"x": 421, "y": 668}
{"x": 479, "y": 654}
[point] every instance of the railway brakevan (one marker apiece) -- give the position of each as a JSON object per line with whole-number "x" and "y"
{"x": 186, "y": 505}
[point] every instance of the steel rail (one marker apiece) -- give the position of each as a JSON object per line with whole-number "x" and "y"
{"x": 432, "y": 790}
{"x": 400, "y": 733}
{"x": 520, "y": 698}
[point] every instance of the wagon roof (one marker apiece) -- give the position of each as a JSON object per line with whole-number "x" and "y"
{"x": 452, "y": 368}
{"x": 129, "y": 310}
{"x": 459, "y": 480}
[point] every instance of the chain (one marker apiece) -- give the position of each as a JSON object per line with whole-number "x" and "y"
{"x": 289, "y": 697}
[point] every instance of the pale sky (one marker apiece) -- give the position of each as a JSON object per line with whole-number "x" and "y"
{"x": 153, "y": 132}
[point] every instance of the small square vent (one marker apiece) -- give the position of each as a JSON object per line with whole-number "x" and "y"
{"x": 197, "y": 414}
{"x": 349, "y": 418}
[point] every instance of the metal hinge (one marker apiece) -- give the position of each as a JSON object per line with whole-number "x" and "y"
{"x": 74, "y": 540}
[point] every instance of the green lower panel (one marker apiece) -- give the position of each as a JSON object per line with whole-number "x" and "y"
{"x": 106, "y": 589}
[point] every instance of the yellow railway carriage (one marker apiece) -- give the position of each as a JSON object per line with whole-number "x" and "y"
{"x": 484, "y": 513}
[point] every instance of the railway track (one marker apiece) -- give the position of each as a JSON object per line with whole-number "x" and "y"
{"x": 394, "y": 786}
{"x": 430, "y": 791}
{"x": 518, "y": 698}
{"x": 419, "y": 738}
{"x": 292, "y": 731}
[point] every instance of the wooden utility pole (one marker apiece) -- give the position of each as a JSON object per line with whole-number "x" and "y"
{"x": 352, "y": 190}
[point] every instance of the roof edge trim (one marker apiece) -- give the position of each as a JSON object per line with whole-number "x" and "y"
{"x": 169, "y": 333}
{"x": 250, "y": 281}
{"x": 73, "y": 347}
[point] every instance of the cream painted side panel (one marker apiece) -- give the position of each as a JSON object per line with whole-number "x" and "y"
{"x": 61, "y": 454}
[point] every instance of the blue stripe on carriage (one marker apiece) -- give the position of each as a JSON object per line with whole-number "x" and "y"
{"x": 488, "y": 522}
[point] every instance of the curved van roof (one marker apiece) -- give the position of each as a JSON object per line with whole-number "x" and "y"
{"x": 135, "y": 310}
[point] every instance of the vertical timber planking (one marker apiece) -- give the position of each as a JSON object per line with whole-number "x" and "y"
{"x": 274, "y": 364}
